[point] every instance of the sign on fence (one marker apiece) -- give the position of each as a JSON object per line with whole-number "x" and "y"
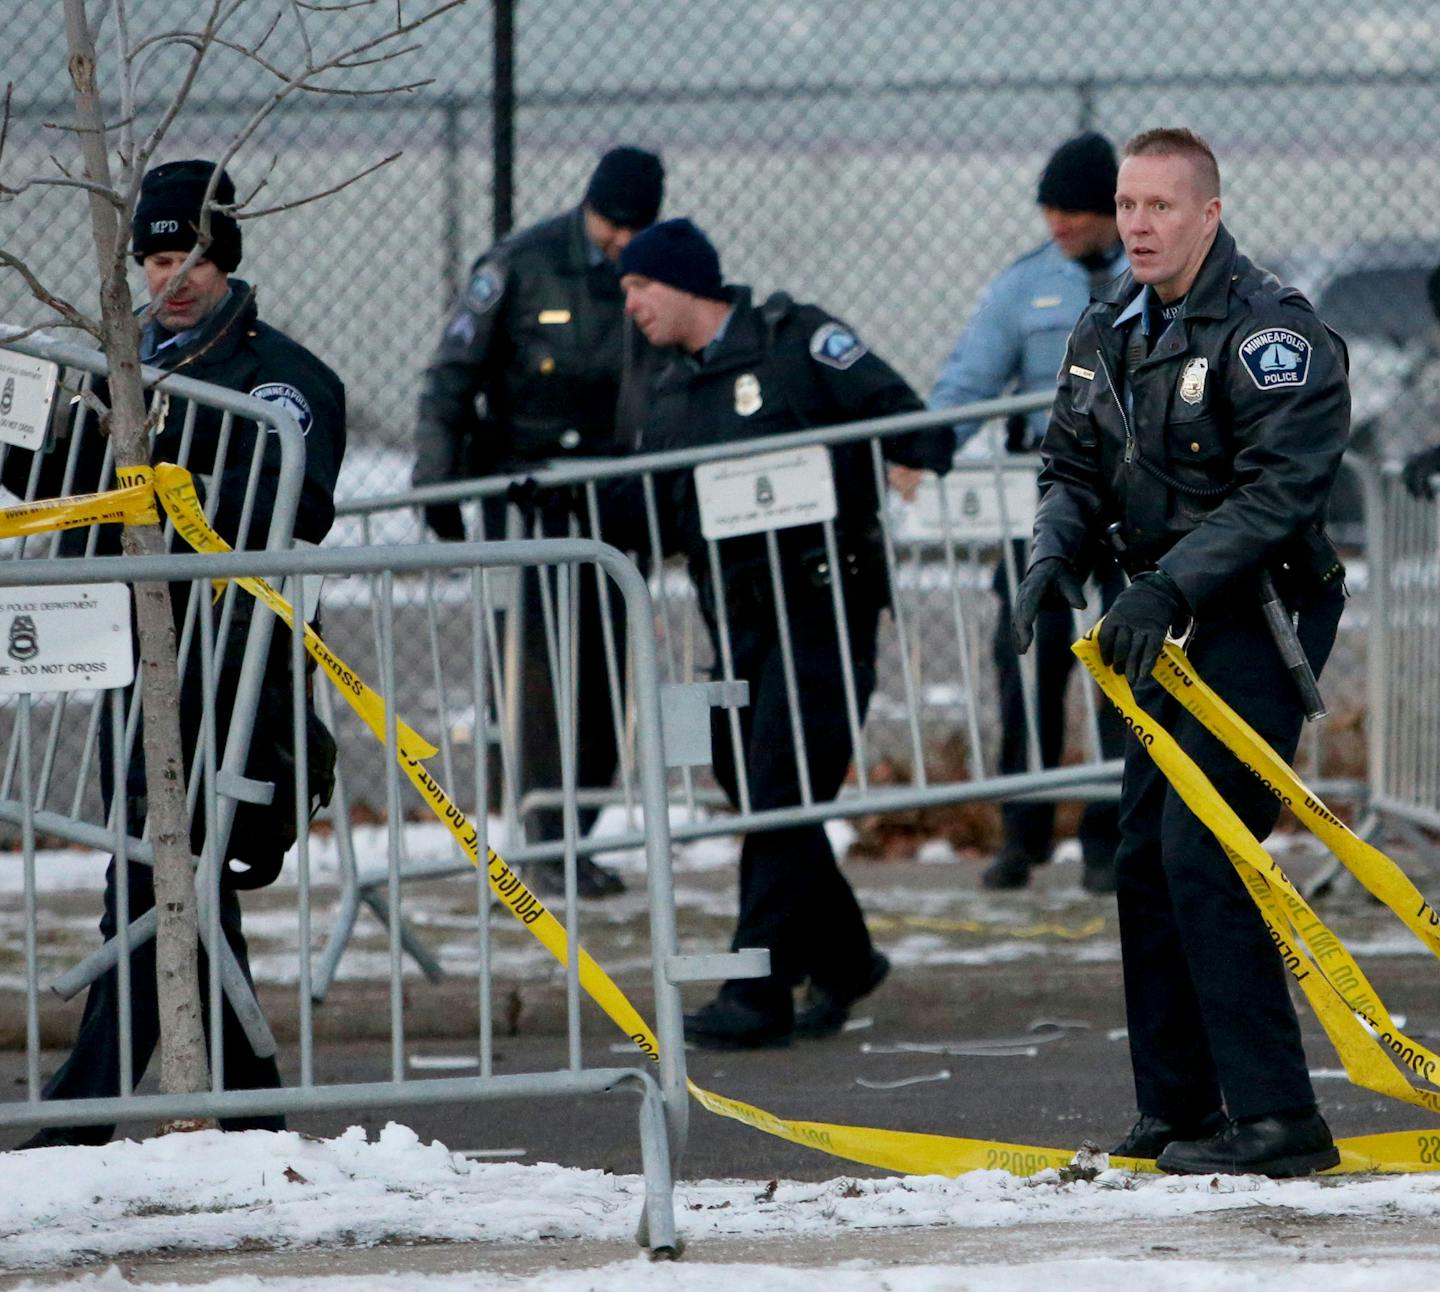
{"x": 27, "y": 389}
{"x": 65, "y": 638}
{"x": 973, "y": 506}
{"x": 765, "y": 491}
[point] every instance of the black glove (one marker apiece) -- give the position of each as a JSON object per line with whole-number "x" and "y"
{"x": 444, "y": 519}
{"x": 552, "y": 506}
{"x": 1132, "y": 634}
{"x": 1419, "y": 467}
{"x": 1017, "y": 433}
{"x": 1043, "y": 581}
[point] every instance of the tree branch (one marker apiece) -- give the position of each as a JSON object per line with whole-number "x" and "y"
{"x": 313, "y": 197}
{"x": 5, "y": 122}
{"x": 72, "y": 316}
{"x": 9, "y": 192}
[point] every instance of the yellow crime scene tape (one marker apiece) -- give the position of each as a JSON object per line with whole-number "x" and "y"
{"x": 902, "y": 1151}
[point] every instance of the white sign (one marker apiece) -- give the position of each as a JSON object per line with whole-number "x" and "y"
{"x": 765, "y": 491}
{"x": 972, "y": 500}
{"x": 74, "y": 637}
{"x": 27, "y": 389}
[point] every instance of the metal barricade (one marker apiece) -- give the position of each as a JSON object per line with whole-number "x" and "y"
{"x": 934, "y": 671}
{"x": 928, "y": 737}
{"x": 1403, "y": 632}
{"x": 460, "y": 576}
{"x": 61, "y": 793}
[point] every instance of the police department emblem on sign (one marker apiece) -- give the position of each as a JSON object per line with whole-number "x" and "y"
{"x": 747, "y": 394}
{"x": 24, "y": 644}
{"x": 1276, "y": 358}
{"x": 290, "y": 399}
{"x": 1192, "y": 380}
{"x": 836, "y": 345}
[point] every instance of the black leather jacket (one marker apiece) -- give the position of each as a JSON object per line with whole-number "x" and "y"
{"x": 1217, "y": 452}
{"x": 769, "y": 374}
{"x": 540, "y": 332}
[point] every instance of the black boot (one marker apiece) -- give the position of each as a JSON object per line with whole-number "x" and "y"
{"x": 1150, "y": 1135}
{"x": 592, "y": 880}
{"x": 60, "y": 1137}
{"x": 825, "y": 1011}
{"x": 730, "y": 1022}
{"x": 1280, "y": 1146}
{"x": 1009, "y": 870}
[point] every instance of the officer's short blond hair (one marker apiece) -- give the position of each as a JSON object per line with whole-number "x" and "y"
{"x": 1177, "y": 141}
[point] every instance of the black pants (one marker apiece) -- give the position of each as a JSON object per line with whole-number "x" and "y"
{"x": 93, "y": 1069}
{"x": 793, "y": 898}
{"x": 1206, "y": 995}
{"x": 1030, "y": 827}
{"x": 596, "y": 751}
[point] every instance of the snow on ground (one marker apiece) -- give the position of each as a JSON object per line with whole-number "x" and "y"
{"x": 214, "y": 1192}
{"x": 855, "y": 1276}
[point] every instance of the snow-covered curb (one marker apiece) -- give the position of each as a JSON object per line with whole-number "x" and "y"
{"x": 212, "y": 1192}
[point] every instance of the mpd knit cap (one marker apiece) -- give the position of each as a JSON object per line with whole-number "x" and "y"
{"x": 675, "y": 252}
{"x": 1080, "y": 176}
{"x": 168, "y": 213}
{"x": 627, "y": 188}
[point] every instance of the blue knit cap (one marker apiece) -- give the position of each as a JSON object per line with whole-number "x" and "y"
{"x": 678, "y": 254}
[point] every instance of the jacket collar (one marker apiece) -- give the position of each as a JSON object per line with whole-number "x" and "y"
{"x": 1208, "y": 296}
{"x": 581, "y": 254}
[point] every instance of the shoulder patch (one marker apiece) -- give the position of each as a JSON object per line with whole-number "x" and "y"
{"x": 1276, "y": 358}
{"x": 290, "y": 399}
{"x": 461, "y": 327}
{"x": 836, "y": 345}
{"x": 486, "y": 286}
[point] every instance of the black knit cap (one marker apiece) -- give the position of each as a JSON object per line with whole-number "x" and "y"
{"x": 627, "y": 188}
{"x": 168, "y": 213}
{"x": 677, "y": 253}
{"x": 1080, "y": 176}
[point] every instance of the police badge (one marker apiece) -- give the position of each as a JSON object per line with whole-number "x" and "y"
{"x": 747, "y": 394}
{"x": 1192, "y": 380}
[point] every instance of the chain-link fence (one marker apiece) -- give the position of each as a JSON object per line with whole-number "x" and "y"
{"x": 878, "y": 159}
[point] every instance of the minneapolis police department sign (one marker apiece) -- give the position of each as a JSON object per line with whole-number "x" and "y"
{"x": 65, "y": 638}
{"x": 1276, "y": 358}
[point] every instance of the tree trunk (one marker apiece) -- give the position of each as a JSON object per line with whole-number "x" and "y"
{"x": 182, "y": 1041}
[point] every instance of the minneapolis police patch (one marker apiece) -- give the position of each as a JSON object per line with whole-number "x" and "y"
{"x": 485, "y": 288}
{"x": 1276, "y": 358}
{"x": 836, "y": 345}
{"x": 290, "y": 399}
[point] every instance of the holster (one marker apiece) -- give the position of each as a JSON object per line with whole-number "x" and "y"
{"x": 1306, "y": 567}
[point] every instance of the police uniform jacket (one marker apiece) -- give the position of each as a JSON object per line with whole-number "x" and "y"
{"x": 1215, "y": 453}
{"x": 233, "y": 349}
{"x": 779, "y": 368}
{"x": 540, "y": 332}
{"x": 1016, "y": 337}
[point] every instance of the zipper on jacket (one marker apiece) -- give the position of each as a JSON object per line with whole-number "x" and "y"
{"x": 1119, "y": 403}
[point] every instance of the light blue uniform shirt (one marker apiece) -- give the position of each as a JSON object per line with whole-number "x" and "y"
{"x": 1015, "y": 340}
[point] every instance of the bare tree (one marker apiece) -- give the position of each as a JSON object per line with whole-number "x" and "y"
{"x": 114, "y": 154}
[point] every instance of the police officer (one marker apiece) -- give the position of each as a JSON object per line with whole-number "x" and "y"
{"x": 1202, "y": 412}
{"x": 539, "y": 335}
{"x": 734, "y": 370}
{"x": 208, "y": 329}
{"x": 1014, "y": 342}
